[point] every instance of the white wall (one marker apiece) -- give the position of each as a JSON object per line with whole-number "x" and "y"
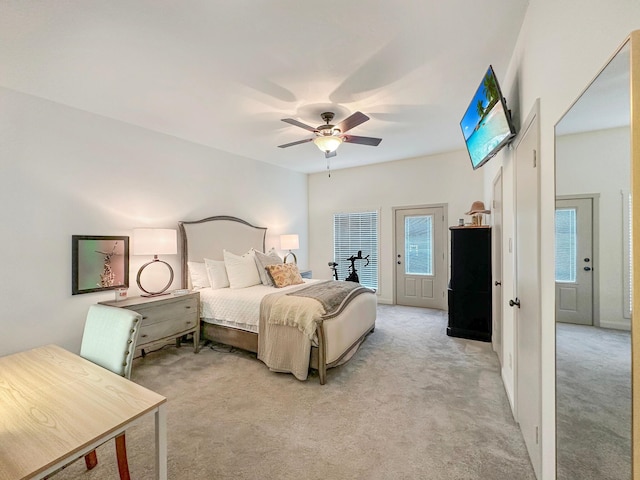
{"x": 598, "y": 162}
{"x": 66, "y": 171}
{"x": 561, "y": 47}
{"x": 446, "y": 178}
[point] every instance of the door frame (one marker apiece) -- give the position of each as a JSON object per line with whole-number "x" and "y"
{"x": 595, "y": 244}
{"x": 532, "y": 117}
{"x": 497, "y": 245}
{"x": 445, "y": 244}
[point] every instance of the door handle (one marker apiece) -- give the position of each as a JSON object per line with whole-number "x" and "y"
{"x": 497, "y": 283}
{"x": 514, "y": 302}
{"x": 587, "y": 269}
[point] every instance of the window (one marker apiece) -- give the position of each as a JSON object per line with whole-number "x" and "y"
{"x": 566, "y": 245}
{"x": 418, "y": 248}
{"x": 627, "y": 243}
{"x": 353, "y": 232}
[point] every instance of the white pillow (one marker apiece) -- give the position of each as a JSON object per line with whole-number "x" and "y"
{"x": 262, "y": 260}
{"x": 198, "y": 274}
{"x": 242, "y": 270}
{"x": 217, "y": 273}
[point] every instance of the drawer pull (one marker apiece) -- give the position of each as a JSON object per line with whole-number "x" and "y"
{"x": 144, "y": 318}
{"x": 188, "y": 306}
{"x": 144, "y": 335}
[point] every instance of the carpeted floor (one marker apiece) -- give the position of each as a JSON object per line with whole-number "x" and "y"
{"x": 411, "y": 404}
{"x": 593, "y": 388}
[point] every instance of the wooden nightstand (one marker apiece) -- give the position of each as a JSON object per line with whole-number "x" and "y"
{"x": 306, "y": 273}
{"x": 165, "y": 318}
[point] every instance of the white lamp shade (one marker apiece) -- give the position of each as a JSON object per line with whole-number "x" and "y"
{"x": 328, "y": 143}
{"x": 155, "y": 241}
{"x": 289, "y": 242}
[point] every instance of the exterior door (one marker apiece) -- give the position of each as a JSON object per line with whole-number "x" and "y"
{"x": 496, "y": 267}
{"x": 420, "y": 257}
{"x": 574, "y": 261}
{"x": 527, "y": 290}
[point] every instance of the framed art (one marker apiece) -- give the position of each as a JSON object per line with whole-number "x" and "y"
{"x": 99, "y": 263}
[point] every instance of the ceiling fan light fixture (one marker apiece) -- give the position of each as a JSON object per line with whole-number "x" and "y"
{"x": 328, "y": 143}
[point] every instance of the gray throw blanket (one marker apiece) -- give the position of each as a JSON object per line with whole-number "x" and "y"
{"x": 331, "y": 295}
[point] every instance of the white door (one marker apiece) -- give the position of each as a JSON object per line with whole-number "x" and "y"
{"x": 496, "y": 267}
{"x": 527, "y": 291}
{"x": 421, "y": 270}
{"x": 574, "y": 261}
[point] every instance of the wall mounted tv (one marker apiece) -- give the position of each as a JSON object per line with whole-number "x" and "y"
{"x": 486, "y": 125}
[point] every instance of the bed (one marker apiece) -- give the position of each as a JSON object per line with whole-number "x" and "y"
{"x": 335, "y": 337}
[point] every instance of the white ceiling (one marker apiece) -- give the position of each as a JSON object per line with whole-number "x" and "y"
{"x": 605, "y": 102}
{"x": 223, "y": 73}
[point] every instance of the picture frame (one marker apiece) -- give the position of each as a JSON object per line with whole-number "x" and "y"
{"x": 99, "y": 263}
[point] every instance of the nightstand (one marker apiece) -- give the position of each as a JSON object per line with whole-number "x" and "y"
{"x": 306, "y": 273}
{"x": 165, "y": 318}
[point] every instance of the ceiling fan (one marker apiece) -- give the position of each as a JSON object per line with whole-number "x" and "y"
{"x": 329, "y": 137}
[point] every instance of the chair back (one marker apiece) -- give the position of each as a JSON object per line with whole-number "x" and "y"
{"x": 109, "y": 338}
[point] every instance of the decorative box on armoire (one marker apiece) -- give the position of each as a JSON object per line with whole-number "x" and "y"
{"x": 470, "y": 283}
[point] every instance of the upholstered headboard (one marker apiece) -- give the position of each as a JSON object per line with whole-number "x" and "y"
{"x": 207, "y": 238}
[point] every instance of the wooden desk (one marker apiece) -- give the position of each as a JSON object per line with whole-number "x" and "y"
{"x": 56, "y": 406}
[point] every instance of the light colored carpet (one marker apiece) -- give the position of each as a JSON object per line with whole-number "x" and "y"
{"x": 412, "y": 403}
{"x": 593, "y": 387}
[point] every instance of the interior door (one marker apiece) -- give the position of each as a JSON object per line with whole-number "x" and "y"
{"x": 420, "y": 257}
{"x": 527, "y": 291}
{"x": 574, "y": 261}
{"x": 496, "y": 267}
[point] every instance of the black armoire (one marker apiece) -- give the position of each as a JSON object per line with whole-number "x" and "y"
{"x": 470, "y": 283}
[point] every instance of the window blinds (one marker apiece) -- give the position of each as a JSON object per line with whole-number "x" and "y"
{"x": 353, "y": 232}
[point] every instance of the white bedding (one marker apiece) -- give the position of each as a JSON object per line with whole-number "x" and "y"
{"x": 238, "y": 307}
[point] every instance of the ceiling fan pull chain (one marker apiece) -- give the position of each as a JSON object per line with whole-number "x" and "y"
{"x": 328, "y": 168}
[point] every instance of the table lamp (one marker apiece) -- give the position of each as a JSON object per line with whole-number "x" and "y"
{"x": 289, "y": 242}
{"x": 155, "y": 241}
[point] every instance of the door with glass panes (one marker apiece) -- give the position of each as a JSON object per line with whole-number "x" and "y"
{"x": 420, "y": 257}
{"x": 574, "y": 260}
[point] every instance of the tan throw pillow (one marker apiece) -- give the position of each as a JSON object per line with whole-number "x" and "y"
{"x": 284, "y": 274}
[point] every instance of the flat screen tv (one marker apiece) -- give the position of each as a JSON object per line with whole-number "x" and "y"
{"x": 486, "y": 125}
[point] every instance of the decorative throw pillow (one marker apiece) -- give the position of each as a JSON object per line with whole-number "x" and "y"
{"x": 284, "y": 274}
{"x": 198, "y": 275}
{"x": 241, "y": 269}
{"x": 217, "y": 273}
{"x": 262, "y": 260}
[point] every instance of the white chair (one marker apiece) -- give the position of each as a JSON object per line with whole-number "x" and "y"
{"x": 109, "y": 340}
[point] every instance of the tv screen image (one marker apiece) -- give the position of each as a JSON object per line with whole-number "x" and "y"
{"x": 486, "y": 124}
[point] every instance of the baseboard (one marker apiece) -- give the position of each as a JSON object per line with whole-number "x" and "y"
{"x": 508, "y": 388}
{"x": 625, "y": 325}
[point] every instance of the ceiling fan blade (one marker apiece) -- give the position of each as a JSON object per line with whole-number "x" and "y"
{"x": 295, "y": 143}
{"x": 330, "y": 154}
{"x": 298, "y": 124}
{"x": 374, "y": 142}
{"x": 352, "y": 121}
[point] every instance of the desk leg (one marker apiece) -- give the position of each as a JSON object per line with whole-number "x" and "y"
{"x": 161, "y": 442}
